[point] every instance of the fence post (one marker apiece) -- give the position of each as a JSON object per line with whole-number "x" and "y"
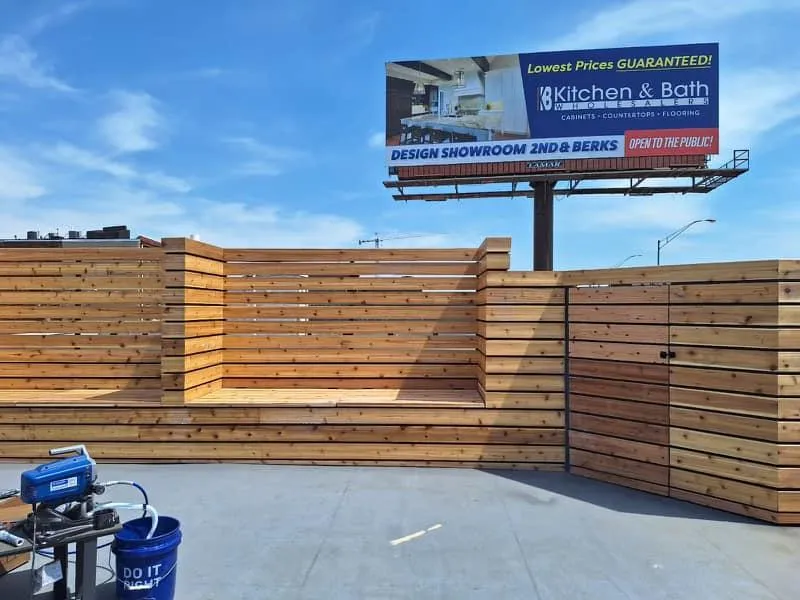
{"x": 193, "y": 325}
{"x": 494, "y": 255}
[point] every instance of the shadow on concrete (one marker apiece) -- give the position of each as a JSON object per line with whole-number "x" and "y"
{"x": 16, "y": 585}
{"x": 618, "y": 498}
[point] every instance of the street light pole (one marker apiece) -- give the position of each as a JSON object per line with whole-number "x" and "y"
{"x": 674, "y": 234}
{"x": 622, "y": 262}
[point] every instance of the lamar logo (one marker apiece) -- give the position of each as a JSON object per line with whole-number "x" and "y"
{"x": 544, "y": 97}
{"x": 544, "y": 165}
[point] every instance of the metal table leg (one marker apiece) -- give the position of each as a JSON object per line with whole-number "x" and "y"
{"x": 60, "y": 586}
{"x": 86, "y": 569}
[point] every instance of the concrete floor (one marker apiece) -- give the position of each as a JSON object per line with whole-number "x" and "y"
{"x": 258, "y": 532}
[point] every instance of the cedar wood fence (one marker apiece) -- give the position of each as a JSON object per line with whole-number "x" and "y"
{"x": 680, "y": 381}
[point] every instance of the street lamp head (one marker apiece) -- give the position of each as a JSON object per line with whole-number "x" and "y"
{"x": 710, "y": 220}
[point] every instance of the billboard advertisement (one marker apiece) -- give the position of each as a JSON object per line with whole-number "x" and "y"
{"x": 609, "y": 103}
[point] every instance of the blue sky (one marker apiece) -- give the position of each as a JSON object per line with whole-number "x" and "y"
{"x": 259, "y": 123}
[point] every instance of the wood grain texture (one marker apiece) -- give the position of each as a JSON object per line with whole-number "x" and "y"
{"x": 300, "y": 255}
{"x": 608, "y": 332}
{"x": 724, "y": 445}
{"x": 363, "y": 298}
{"x": 333, "y": 283}
{"x": 656, "y": 414}
{"x": 629, "y": 469}
{"x": 726, "y": 315}
{"x": 621, "y": 448}
{"x": 619, "y": 389}
{"x": 742, "y": 271}
{"x": 252, "y": 407}
{"x": 724, "y": 380}
{"x": 725, "y": 402}
{"x": 300, "y": 451}
{"x": 620, "y": 428}
{"x": 731, "y": 337}
{"x": 734, "y": 293}
{"x": 605, "y": 296}
{"x": 728, "y": 468}
{"x": 348, "y": 269}
{"x": 398, "y": 434}
{"x": 724, "y": 489}
{"x": 629, "y": 482}
{"x": 523, "y": 296}
{"x": 620, "y": 371}
{"x": 524, "y": 400}
{"x": 519, "y": 279}
{"x": 618, "y": 314}
{"x": 614, "y": 351}
{"x": 755, "y": 428}
{"x": 521, "y": 331}
{"x": 733, "y": 507}
{"x": 736, "y": 358}
{"x": 528, "y": 348}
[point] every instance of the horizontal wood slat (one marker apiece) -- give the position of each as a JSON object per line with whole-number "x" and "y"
{"x": 305, "y": 451}
{"x": 366, "y": 313}
{"x": 77, "y": 318}
{"x": 350, "y": 355}
{"x": 332, "y": 283}
{"x": 238, "y": 255}
{"x": 315, "y": 298}
{"x": 346, "y": 269}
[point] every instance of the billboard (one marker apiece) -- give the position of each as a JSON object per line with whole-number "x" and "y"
{"x": 579, "y": 104}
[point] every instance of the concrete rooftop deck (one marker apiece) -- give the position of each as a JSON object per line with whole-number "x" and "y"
{"x": 307, "y": 533}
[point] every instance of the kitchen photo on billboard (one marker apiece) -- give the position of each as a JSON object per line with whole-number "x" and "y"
{"x": 475, "y": 99}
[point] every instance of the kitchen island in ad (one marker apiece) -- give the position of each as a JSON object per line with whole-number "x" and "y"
{"x": 432, "y": 129}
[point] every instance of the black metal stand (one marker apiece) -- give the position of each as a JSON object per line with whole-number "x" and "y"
{"x": 60, "y": 587}
{"x": 86, "y": 569}
{"x": 543, "y": 226}
{"x": 85, "y": 560}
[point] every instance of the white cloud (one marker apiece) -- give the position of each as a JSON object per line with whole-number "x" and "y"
{"x": 377, "y": 140}
{"x": 755, "y": 102}
{"x": 638, "y": 213}
{"x": 18, "y": 179}
{"x": 50, "y": 19}
{"x": 72, "y": 156}
{"x": 642, "y": 19}
{"x": 238, "y": 224}
{"x": 158, "y": 214}
{"x": 135, "y": 125}
{"x": 264, "y": 159}
{"x": 20, "y": 63}
{"x": 205, "y": 73}
{"x": 364, "y": 30}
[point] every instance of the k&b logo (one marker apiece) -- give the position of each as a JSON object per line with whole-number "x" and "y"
{"x": 544, "y": 95}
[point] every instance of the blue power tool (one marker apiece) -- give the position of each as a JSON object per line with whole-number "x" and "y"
{"x": 55, "y": 483}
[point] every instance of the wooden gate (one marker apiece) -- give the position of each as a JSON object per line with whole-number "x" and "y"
{"x": 618, "y": 385}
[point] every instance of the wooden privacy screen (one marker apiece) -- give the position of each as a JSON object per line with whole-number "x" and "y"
{"x": 521, "y": 340}
{"x": 733, "y": 395}
{"x": 619, "y": 385}
{"x": 80, "y": 318}
{"x": 399, "y": 319}
{"x": 683, "y": 381}
{"x": 194, "y": 279}
{"x": 521, "y": 343}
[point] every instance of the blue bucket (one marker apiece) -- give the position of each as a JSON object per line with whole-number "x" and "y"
{"x": 146, "y": 569}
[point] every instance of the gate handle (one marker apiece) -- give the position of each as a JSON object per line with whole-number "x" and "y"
{"x": 665, "y": 354}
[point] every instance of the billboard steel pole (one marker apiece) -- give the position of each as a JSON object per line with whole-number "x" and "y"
{"x": 543, "y": 226}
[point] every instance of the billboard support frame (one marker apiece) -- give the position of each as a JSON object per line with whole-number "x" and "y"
{"x": 544, "y": 189}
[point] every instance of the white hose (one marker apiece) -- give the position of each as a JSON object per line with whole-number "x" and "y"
{"x": 127, "y": 505}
